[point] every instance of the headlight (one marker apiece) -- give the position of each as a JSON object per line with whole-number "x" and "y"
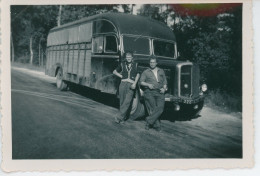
{"x": 204, "y": 87}
{"x": 177, "y": 107}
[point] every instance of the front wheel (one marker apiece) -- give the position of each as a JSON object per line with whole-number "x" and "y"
{"x": 186, "y": 112}
{"x": 60, "y": 83}
{"x": 137, "y": 110}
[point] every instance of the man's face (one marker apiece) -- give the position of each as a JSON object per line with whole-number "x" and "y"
{"x": 129, "y": 58}
{"x": 153, "y": 63}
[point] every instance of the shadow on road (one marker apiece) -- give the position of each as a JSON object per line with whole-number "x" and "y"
{"x": 113, "y": 101}
{"x": 104, "y": 98}
{"x": 177, "y": 116}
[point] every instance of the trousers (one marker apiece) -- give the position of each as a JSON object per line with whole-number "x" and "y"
{"x": 126, "y": 95}
{"x": 154, "y": 102}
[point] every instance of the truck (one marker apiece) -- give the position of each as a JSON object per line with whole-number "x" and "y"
{"x": 85, "y": 52}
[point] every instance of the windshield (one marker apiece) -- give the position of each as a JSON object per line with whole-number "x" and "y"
{"x": 136, "y": 44}
{"x": 162, "y": 48}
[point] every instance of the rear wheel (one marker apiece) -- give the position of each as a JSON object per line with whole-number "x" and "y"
{"x": 138, "y": 109}
{"x": 60, "y": 83}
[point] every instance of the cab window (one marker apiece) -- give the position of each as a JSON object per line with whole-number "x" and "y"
{"x": 138, "y": 45}
{"x": 163, "y": 48}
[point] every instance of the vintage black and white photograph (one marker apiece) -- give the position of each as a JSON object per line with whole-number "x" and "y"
{"x": 126, "y": 81}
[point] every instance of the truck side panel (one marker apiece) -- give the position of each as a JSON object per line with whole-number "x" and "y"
{"x": 62, "y": 56}
{"x": 81, "y": 60}
{"x": 58, "y": 54}
{"x": 87, "y": 67}
{"x": 75, "y": 59}
{"x": 66, "y": 59}
{"x": 54, "y": 61}
{"x": 70, "y": 63}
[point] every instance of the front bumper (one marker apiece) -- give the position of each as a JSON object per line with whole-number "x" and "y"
{"x": 180, "y": 111}
{"x": 184, "y": 100}
{"x": 187, "y": 107}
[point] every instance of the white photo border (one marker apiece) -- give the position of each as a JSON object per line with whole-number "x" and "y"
{"x": 10, "y": 165}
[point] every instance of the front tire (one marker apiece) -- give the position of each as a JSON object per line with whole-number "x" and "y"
{"x": 137, "y": 110}
{"x": 60, "y": 83}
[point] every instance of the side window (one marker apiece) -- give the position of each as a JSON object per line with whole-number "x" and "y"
{"x": 103, "y": 26}
{"x": 110, "y": 44}
{"x": 98, "y": 44}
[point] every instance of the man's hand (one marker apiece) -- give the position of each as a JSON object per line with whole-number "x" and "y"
{"x": 117, "y": 74}
{"x": 133, "y": 86}
{"x": 162, "y": 90}
{"x": 151, "y": 86}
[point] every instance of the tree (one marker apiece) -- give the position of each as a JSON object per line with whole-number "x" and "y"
{"x": 151, "y": 11}
{"x": 59, "y": 16}
{"x": 126, "y": 8}
{"x": 76, "y": 12}
{"x": 158, "y": 12}
{"x": 28, "y": 25}
{"x": 215, "y": 43}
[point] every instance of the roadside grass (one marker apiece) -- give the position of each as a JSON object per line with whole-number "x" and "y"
{"x": 28, "y": 66}
{"x": 223, "y": 101}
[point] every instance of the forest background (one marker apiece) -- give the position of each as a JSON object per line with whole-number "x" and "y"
{"x": 208, "y": 34}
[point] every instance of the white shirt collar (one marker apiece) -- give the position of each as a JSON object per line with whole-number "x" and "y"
{"x": 155, "y": 72}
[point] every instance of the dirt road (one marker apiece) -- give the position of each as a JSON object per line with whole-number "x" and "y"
{"x": 48, "y": 123}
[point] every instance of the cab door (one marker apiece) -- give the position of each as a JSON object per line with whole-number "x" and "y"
{"x": 105, "y": 58}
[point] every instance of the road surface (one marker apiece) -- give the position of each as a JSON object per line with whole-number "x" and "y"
{"x": 51, "y": 124}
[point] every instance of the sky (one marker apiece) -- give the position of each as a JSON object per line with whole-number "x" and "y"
{"x": 136, "y": 7}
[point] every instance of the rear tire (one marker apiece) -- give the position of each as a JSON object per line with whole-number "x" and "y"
{"x": 60, "y": 83}
{"x": 138, "y": 109}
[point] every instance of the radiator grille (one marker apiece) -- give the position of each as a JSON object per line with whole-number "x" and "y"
{"x": 185, "y": 81}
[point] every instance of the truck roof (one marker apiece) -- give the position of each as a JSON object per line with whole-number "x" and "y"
{"x": 129, "y": 24}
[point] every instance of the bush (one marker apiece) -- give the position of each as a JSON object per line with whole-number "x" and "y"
{"x": 224, "y": 101}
